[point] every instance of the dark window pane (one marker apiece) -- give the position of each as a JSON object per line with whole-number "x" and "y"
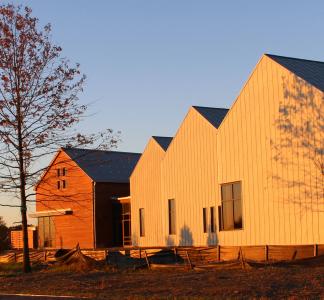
{"x": 237, "y": 214}
{"x": 212, "y": 219}
{"x": 237, "y": 190}
{"x": 64, "y": 171}
{"x": 141, "y": 216}
{"x": 227, "y": 209}
{"x": 205, "y": 219}
{"x": 41, "y": 232}
{"x": 220, "y": 218}
{"x": 226, "y": 192}
{"x": 64, "y": 184}
{"x": 58, "y": 172}
{"x": 171, "y": 208}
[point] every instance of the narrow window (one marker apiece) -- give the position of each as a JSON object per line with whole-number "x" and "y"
{"x": 58, "y": 172}
{"x": 212, "y": 219}
{"x": 58, "y": 185}
{"x": 172, "y": 216}
{"x": 220, "y": 218}
{"x": 231, "y": 209}
{"x": 63, "y": 184}
{"x": 64, "y": 171}
{"x": 205, "y": 219}
{"x": 141, "y": 222}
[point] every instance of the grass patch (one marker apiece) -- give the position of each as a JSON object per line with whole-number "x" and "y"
{"x": 11, "y": 267}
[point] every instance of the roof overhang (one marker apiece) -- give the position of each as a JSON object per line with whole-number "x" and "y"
{"x": 48, "y": 213}
{"x": 124, "y": 199}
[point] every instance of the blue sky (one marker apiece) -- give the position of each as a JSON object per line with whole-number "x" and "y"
{"x": 148, "y": 61}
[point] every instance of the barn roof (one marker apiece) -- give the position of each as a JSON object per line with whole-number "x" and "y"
{"x": 213, "y": 115}
{"x": 163, "y": 141}
{"x": 104, "y": 166}
{"x": 310, "y": 70}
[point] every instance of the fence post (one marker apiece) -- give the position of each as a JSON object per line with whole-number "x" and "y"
{"x": 219, "y": 252}
{"x": 266, "y": 252}
{"x": 315, "y": 249}
{"x": 175, "y": 254}
{"x": 45, "y": 258}
{"x": 15, "y": 257}
{"x": 147, "y": 261}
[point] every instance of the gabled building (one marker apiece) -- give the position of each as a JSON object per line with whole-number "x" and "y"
{"x": 252, "y": 175}
{"x": 145, "y": 183}
{"x": 77, "y": 198}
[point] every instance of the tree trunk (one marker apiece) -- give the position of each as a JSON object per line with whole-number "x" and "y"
{"x": 23, "y": 200}
{"x": 26, "y": 260}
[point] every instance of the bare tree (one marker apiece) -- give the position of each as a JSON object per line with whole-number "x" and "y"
{"x": 39, "y": 106}
{"x": 4, "y": 235}
{"x": 300, "y": 140}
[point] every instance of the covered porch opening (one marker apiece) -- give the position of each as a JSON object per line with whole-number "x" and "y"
{"x": 122, "y": 221}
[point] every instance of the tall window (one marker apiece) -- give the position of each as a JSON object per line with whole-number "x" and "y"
{"x": 212, "y": 219}
{"x": 141, "y": 222}
{"x": 64, "y": 171}
{"x": 172, "y": 216}
{"x": 205, "y": 219}
{"x": 46, "y": 232}
{"x": 231, "y": 208}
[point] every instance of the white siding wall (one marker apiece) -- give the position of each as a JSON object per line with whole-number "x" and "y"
{"x": 282, "y": 203}
{"x": 277, "y": 209}
{"x": 189, "y": 177}
{"x": 145, "y": 186}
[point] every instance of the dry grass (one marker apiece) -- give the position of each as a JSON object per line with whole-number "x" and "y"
{"x": 110, "y": 283}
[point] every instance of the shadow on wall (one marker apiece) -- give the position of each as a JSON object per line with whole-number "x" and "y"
{"x": 134, "y": 240}
{"x": 298, "y": 147}
{"x": 186, "y": 238}
{"x": 169, "y": 241}
{"x": 212, "y": 239}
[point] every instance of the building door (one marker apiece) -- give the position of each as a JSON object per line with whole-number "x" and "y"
{"x": 126, "y": 224}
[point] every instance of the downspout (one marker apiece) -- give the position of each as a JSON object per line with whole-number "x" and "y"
{"x": 94, "y": 214}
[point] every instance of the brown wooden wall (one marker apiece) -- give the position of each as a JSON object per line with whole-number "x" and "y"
{"x": 78, "y": 195}
{"x": 104, "y": 192}
{"x": 16, "y": 238}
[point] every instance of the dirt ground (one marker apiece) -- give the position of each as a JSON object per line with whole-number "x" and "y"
{"x": 268, "y": 282}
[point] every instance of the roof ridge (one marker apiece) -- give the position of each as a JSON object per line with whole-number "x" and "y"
{"x": 198, "y": 106}
{"x": 160, "y": 136}
{"x": 108, "y": 151}
{"x": 295, "y": 58}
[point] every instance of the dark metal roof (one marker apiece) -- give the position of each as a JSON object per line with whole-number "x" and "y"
{"x": 309, "y": 70}
{"x": 214, "y": 115}
{"x": 163, "y": 141}
{"x": 104, "y": 166}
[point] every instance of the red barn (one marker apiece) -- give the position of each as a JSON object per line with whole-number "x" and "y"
{"x": 77, "y": 198}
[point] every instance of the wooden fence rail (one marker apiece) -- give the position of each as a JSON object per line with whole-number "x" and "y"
{"x": 195, "y": 254}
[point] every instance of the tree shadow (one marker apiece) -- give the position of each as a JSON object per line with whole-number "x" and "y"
{"x": 212, "y": 239}
{"x": 298, "y": 146}
{"x": 169, "y": 241}
{"x": 186, "y": 238}
{"x": 134, "y": 240}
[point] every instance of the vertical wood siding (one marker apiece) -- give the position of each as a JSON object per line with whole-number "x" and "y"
{"x": 189, "y": 176}
{"x": 78, "y": 195}
{"x": 145, "y": 185}
{"x": 277, "y": 209}
{"x": 282, "y": 202}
